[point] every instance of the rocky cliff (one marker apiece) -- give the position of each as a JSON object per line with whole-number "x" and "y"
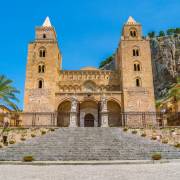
{"x": 165, "y": 53}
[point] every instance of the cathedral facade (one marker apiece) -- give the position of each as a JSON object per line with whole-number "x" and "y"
{"x": 89, "y": 97}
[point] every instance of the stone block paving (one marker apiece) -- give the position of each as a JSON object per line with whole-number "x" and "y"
{"x": 167, "y": 171}
{"x": 88, "y": 144}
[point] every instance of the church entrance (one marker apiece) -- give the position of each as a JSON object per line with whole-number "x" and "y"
{"x": 89, "y": 120}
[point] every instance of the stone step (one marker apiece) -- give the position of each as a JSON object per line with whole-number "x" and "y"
{"x": 88, "y": 144}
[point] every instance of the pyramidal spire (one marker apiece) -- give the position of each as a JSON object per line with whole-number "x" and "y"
{"x": 131, "y": 20}
{"x": 47, "y": 22}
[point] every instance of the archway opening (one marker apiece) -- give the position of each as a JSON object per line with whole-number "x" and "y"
{"x": 89, "y": 107}
{"x": 89, "y": 120}
{"x": 114, "y": 114}
{"x": 63, "y": 117}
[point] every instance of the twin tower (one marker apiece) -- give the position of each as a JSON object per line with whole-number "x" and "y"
{"x": 128, "y": 88}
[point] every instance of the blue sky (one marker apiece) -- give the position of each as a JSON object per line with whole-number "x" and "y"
{"x": 88, "y": 30}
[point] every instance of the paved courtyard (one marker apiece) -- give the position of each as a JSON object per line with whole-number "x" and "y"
{"x": 167, "y": 171}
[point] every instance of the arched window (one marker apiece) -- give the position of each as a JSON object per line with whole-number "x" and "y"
{"x": 133, "y": 32}
{"x": 137, "y": 66}
{"x": 44, "y": 36}
{"x": 136, "y": 52}
{"x": 42, "y": 52}
{"x": 138, "y": 82}
{"x": 41, "y": 68}
{"x": 40, "y": 84}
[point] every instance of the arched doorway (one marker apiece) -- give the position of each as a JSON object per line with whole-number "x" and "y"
{"x": 89, "y": 120}
{"x": 90, "y": 110}
{"x": 63, "y": 117}
{"x": 114, "y": 114}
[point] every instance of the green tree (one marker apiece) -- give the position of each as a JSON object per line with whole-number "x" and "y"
{"x": 177, "y": 30}
{"x": 106, "y": 61}
{"x": 161, "y": 33}
{"x": 170, "y": 31}
{"x": 8, "y": 93}
{"x": 152, "y": 34}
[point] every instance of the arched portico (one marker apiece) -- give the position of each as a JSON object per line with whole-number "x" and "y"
{"x": 88, "y": 110}
{"x": 63, "y": 115}
{"x": 114, "y": 113}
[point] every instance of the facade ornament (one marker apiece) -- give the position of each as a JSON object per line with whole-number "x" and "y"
{"x": 74, "y": 104}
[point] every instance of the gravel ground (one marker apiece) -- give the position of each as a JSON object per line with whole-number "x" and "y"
{"x": 167, "y": 171}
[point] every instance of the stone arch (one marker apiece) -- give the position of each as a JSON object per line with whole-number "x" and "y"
{"x": 136, "y": 51}
{"x": 63, "y": 111}
{"x": 114, "y": 113}
{"x": 89, "y": 107}
{"x": 40, "y": 83}
{"x": 138, "y": 82}
{"x": 42, "y": 52}
{"x": 41, "y": 67}
{"x": 137, "y": 66}
{"x": 133, "y": 32}
{"x": 89, "y": 86}
{"x": 89, "y": 120}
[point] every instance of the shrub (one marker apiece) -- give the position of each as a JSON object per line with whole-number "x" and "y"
{"x": 52, "y": 129}
{"x": 164, "y": 141}
{"x": 6, "y": 144}
{"x": 143, "y": 134}
{"x": 1, "y": 146}
{"x": 125, "y": 129}
{"x": 12, "y": 141}
{"x": 33, "y": 135}
{"x": 43, "y": 132}
{"x": 23, "y": 138}
{"x": 172, "y": 130}
{"x": 156, "y": 156}
{"x": 177, "y": 145}
{"x": 28, "y": 158}
{"x": 134, "y": 131}
{"x": 153, "y": 138}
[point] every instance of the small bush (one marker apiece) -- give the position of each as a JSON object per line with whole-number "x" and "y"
{"x": 23, "y": 138}
{"x": 43, "y": 132}
{"x": 172, "y": 130}
{"x": 134, "y": 132}
{"x": 153, "y": 138}
{"x": 12, "y": 141}
{"x": 1, "y": 146}
{"x": 177, "y": 145}
{"x": 143, "y": 134}
{"x": 6, "y": 144}
{"x": 52, "y": 129}
{"x": 125, "y": 129}
{"x": 156, "y": 156}
{"x": 28, "y": 158}
{"x": 164, "y": 141}
{"x": 33, "y": 135}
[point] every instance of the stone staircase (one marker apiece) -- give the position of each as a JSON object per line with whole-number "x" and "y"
{"x": 88, "y": 144}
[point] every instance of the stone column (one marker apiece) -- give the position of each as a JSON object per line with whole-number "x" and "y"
{"x": 104, "y": 112}
{"x": 164, "y": 120}
{"x": 73, "y": 113}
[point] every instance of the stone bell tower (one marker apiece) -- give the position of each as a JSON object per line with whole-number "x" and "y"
{"x": 43, "y": 63}
{"x": 133, "y": 60}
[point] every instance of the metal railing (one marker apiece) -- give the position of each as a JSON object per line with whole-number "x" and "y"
{"x": 115, "y": 119}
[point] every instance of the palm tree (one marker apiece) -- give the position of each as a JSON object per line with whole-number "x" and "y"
{"x": 8, "y": 93}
